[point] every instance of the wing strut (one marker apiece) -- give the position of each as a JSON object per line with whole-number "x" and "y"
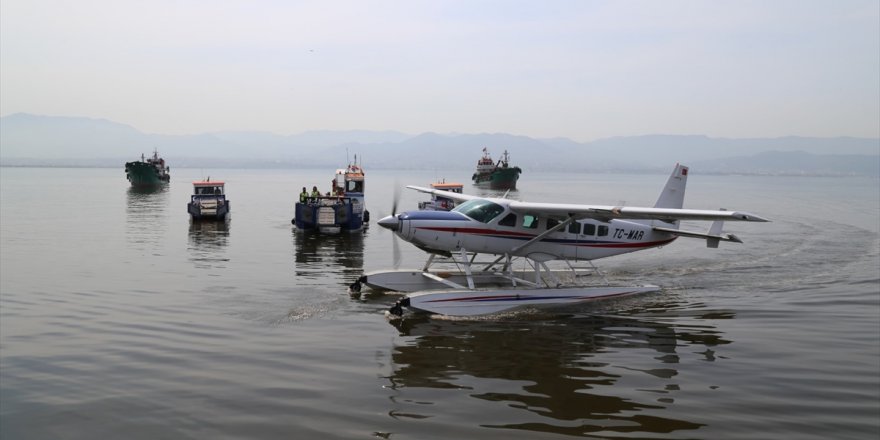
{"x": 541, "y": 236}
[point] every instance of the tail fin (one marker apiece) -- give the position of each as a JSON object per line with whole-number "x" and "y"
{"x": 672, "y": 195}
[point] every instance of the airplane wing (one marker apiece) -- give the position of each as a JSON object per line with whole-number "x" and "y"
{"x": 605, "y": 213}
{"x": 449, "y": 195}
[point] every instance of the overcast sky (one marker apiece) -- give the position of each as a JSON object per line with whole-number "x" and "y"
{"x": 578, "y": 69}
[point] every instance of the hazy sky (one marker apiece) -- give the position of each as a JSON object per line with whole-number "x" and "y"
{"x": 578, "y": 69}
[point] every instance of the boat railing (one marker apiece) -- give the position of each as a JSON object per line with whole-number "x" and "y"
{"x": 328, "y": 200}
{"x": 201, "y": 197}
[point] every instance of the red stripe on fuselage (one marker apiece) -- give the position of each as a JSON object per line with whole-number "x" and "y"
{"x": 568, "y": 242}
{"x": 629, "y": 245}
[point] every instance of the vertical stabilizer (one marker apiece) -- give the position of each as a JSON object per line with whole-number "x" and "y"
{"x": 672, "y": 195}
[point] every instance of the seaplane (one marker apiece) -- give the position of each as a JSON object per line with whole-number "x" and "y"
{"x": 511, "y": 232}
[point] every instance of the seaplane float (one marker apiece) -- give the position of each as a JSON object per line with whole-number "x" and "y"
{"x": 510, "y": 232}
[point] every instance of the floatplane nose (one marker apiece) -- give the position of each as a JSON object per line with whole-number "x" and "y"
{"x": 389, "y": 222}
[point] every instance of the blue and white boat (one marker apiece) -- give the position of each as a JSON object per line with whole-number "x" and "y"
{"x": 208, "y": 201}
{"x": 341, "y": 209}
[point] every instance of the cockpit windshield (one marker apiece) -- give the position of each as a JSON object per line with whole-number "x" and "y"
{"x": 480, "y": 210}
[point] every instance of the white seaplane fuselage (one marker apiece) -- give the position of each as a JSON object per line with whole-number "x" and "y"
{"x": 440, "y": 231}
{"x": 538, "y": 232}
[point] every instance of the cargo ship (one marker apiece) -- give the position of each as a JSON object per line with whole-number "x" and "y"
{"x": 148, "y": 172}
{"x": 498, "y": 175}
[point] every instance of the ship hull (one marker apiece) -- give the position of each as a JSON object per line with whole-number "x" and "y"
{"x": 499, "y": 179}
{"x": 331, "y": 218}
{"x": 208, "y": 211}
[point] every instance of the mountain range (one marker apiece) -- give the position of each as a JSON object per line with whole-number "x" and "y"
{"x": 34, "y": 140}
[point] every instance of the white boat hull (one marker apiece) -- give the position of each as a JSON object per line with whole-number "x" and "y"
{"x": 485, "y": 302}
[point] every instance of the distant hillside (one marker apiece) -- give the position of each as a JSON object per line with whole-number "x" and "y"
{"x": 57, "y": 141}
{"x": 793, "y": 163}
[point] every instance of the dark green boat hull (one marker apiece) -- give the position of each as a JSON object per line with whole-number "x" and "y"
{"x": 501, "y": 178}
{"x": 143, "y": 174}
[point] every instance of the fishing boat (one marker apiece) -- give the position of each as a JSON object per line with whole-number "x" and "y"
{"x": 340, "y": 209}
{"x": 498, "y": 175}
{"x": 438, "y": 202}
{"x": 146, "y": 172}
{"x": 208, "y": 201}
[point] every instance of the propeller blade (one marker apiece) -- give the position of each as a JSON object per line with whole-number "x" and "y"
{"x": 396, "y": 198}
{"x": 394, "y": 245}
{"x": 396, "y": 252}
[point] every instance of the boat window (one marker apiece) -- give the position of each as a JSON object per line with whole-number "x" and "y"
{"x": 589, "y": 229}
{"x": 603, "y": 230}
{"x": 480, "y": 210}
{"x": 530, "y": 221}
{"x": 355, "y": 186}
{"x": 551, "y": 223}
{"x": 574, "y": 228}
{"x": 509, "y": 220}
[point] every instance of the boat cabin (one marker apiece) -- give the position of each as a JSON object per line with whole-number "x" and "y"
{"x": 438, "y": 202}
{"x": 208, "y": 187}
{"x": 348, "y": 180}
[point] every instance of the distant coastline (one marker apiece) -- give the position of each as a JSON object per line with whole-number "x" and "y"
{"x": 609, "y": 171}
{"x": 51, "y": 141}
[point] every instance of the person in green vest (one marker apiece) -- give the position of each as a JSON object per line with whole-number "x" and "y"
{"x": 315, "y": 192}
{"x": 303, "y": 196}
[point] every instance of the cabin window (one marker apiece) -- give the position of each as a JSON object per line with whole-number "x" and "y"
{"x": 356, "y": 186}
{"x": 574, "y": 228}
{"x": 508, "y": 220}
{"x": 551, "y": 223}
{"x": 530, "y": 221}
{"x": 480, "y": 210}
{"x": 603, "y": 230}
{"x": 590, "y": 229}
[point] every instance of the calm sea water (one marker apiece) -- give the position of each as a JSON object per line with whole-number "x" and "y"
{"x": 120, "y": 319}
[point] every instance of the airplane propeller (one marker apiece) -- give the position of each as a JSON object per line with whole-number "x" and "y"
{"x": 390, "y": 223}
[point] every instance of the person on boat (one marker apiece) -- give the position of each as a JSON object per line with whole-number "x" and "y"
{"x": 315, "y": 192}
{"x": 303, "y": 196}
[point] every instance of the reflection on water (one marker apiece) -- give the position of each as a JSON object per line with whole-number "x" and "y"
{"x": 315, "y": 253}
{"x": 146, "y": 216}
{"x": 564, "y": 376}
{"x": 207, "y": 243}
